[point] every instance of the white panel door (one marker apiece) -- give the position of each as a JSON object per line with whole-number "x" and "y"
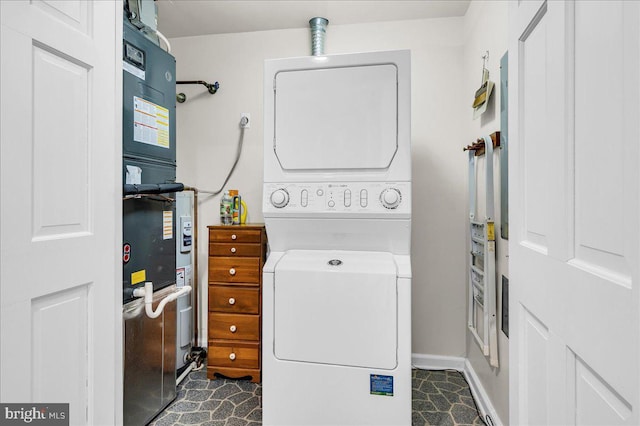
{"x": 574, "y": 244}
{"x": 60, "y": 184}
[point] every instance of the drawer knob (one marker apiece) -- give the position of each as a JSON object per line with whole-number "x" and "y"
{"x": 233, "y": 328}
{"x": 233, "y": 249}
{"x": 232, "y": 271}
{"x": 232, "y": 356}
{"x": 232, "y": 301}
{"x": 234, "y": 236}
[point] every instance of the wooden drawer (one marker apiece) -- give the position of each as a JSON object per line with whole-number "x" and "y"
{"x": 244, "y": 270}
{"x": 235, "y": 250}
{"x": 246, "y": 327}
{"x": 237, "y": 235}
{"x": 234, "y": 300}
{"x": 234, "y": 354}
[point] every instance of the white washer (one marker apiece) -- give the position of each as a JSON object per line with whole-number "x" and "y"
{"x": 336, "y": 343}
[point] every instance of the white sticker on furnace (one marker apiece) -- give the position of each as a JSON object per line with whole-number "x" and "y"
{"x": 167, "y": 225}
{"x": 150, "y": 123}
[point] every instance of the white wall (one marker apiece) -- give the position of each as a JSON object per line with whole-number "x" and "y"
{"x": 485, "y": 28}
{"x": 208, "y": 134}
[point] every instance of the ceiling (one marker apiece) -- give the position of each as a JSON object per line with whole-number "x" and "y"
{"x": 183, "y": 18}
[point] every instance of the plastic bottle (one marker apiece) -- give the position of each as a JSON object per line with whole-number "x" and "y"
{"x": 236, "y": 209}
{"x": 225, "y": 209}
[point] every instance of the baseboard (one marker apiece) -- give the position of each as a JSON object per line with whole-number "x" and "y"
{"x": 480, "y": 395}
{"x": 439, "y": 362}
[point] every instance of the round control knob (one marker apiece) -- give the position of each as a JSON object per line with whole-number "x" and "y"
{"x": 390, "y": 198}
{"x": 279, "y": 198}
{"x": 233, "y": 328}
{"x": 232, "y": 301}
{"x": 232, "y": 356}
{"x": 232, "y": 271}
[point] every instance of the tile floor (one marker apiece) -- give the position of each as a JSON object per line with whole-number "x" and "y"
{"x": 439, "y": 398}
{"x": 442, "y": 398}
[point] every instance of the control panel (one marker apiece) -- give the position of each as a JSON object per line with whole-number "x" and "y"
{"x": 387, "y": 198}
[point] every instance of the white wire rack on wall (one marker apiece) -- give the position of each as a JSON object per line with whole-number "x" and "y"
{"x": 482, "y": 321}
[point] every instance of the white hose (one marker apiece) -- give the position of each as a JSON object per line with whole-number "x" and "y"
{"x": 166, "y": 41}
{"x": 147, "y": 293}
{"x": 186, "y": 372}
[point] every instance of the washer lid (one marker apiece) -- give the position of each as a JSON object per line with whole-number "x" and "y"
{"x": 336, "y": 307}
{"x": 342, "y": 118}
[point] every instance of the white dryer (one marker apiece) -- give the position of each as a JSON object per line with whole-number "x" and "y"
{"x": 336, "y": 343}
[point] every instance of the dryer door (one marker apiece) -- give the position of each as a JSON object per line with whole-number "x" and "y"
{"x": 343, "y": 118}
{"x": 336, "y": 307}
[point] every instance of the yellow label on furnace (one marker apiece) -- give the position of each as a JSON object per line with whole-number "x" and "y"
{"x": 491, "y": 233}
{"x": 138, "y": 277}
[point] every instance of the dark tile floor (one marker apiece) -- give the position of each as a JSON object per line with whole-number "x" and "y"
{"x": 442, "y": 398}
{"x": 439, "y": 398}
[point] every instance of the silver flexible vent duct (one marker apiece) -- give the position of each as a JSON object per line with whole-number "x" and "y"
{"x": 318, "y": 35}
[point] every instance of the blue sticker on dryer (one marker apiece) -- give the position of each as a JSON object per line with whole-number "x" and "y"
{"x": 381, "y": 385}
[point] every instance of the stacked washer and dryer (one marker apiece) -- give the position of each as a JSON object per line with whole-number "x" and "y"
{"x": 337, "y": 207}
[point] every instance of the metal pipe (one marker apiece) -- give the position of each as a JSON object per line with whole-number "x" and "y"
{"x": 212, "y": 88}
{"x": 318, "y": 35}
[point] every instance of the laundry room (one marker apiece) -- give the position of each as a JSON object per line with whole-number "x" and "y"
{"x": 309, "y": 212}
{"x": 446, "y": 70}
